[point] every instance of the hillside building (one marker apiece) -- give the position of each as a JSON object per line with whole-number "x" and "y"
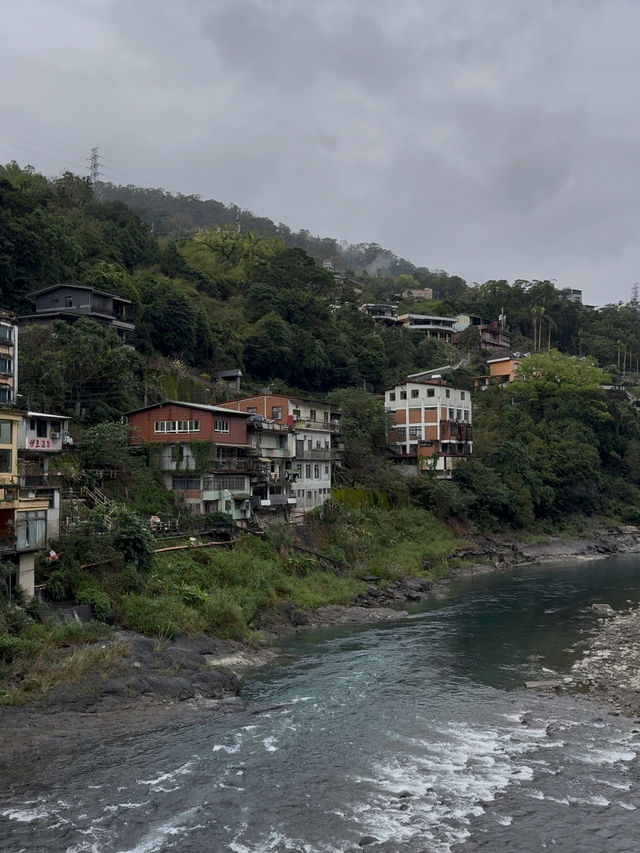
{"x": 317, "y": 446}
{"x": 430, "y": 425}
{"x": 70, "y": 302}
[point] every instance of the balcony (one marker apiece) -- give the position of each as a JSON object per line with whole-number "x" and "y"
{"x": 318, "y": 455}
{"x": 307, "y": 423}
{"x": 273, "y": 452}
{"x": 8, "y": 544}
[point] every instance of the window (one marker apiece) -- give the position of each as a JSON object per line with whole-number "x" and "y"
{"x": 462, "y": 395}
{"x": 307, "y": 471}
{"x": 403, "y": 395}
{"x": 6, "y": 365}
{"x": 401, "y": 433}
{"x": 431, "y": 392}
{"x": 32, "y": 529}
{"x": 326, "y": 470}
{"x": 231, "y": 482}
{"x": 316, "y": 472}
{"x": 5, "y": 461}
{"x": 312, "y": 415}
{"x": 186, "y": 483}
{"x": 282, "y": 442}
{"x": 188, "y": 426}
{"x": 296, "y": 414}
{"x": 228, "y": 506}
{"x": 466, "y": 414}
{"x": 309, "y": 444}
{"x": 392, "y": 396}
{"x": 447, "y": 392}
{"x": 5, "y": 394}
{"x": 41, "y": 428}
{"x": 299, "y": 470}
{"x": 5, "y": 335}
{"x": 165, "y": 426}
{"x": 68, "y": 301}
{"x": 414, "y": 393}
{"x": 276, "y": 412}
{"x": 252, "y": 410}
{"x": 326, "y": 417}
{"x": 308, "y": 496}
{"x": 221, "y": 426}
{"x": 414, "y": 432}
{"x": 450, "y": 414}
{"x": 326, "y": 445}
{"x": 5, "y": 432}
{"x": 177, "y": 453}
{"x": 318, "y": 445}
{"x": 458, "y": 414}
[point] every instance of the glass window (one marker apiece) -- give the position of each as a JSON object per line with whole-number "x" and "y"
{"x": 307, "y": 471}
{"x": 326, "y": 417}
{"x": 41, "y": 428}
{"x": 431, "y": 392}
{"x": 6, "y": 365}
{"x": 458, "y": 414}
{"x": 316, "y": 472}
{"x": 462, "y": 395}
{"x": 326, "y": 469}
{"x": 414, "y": 432}
{"x": 414, "y": 392}
{"x": 466, "y": 414}
{"x": 5, "y": 432}
{"x": 252, "y": 410}
{"x": 186, "y": 483}
{"x": 392, "y": 396}
{"x": 276, "y": 412}
{"x": 221, "y": 426}
{"x": 447, "y": 392}
{"x": 31, "y": 529}
{"x": 403, "y": 395}
{"x": 401, "y": 433}
{"x": 450, "y": 414}
{"x": 5, "y": 461}
{"x": 312, "y": 414}
{"x": 296, "y": 413}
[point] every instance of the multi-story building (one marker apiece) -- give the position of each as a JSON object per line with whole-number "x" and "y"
{"x": 23, "y": 512}
{"x": 430, "y": 425}
{"x": 273, "y": 487}
{"x": 502, "y": 369}
{"x": 71, "y": 301}
{"x": 493, "y": 334}
{"x": 441, "y": 328}
{"x": 317, "y": 428}
{"x": 41, "y": 437}
{"x": 203, "y": 453}
{"x": 8, "y": 359}
{"x": 381, "y": 312}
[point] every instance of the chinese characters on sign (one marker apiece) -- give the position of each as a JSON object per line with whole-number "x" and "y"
{"x": 40, "y": 444}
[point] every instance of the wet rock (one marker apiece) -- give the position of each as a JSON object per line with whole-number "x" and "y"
{"x": 366, "y": 840}
{"x": 603, "y": 609}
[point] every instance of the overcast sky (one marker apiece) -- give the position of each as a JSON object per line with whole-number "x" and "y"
{"x": 489, "y": 138}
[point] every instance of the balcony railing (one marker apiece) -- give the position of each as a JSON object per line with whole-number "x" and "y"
{"x": 8, "y": 544}
{"x": 307, "y": 423}
{"x": 317, "y": 455}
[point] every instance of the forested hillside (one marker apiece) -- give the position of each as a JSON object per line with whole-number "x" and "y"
{"x": 229, "y": 297}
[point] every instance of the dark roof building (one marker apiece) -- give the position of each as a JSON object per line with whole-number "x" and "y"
{"x": 71, "y": 301}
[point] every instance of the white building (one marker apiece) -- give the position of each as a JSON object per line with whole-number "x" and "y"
{"x": 430, "y": 425}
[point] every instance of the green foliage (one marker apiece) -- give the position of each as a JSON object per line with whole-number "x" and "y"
{"x": 132, "y": 537}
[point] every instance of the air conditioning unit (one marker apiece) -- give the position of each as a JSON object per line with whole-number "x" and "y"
{"x": 54, "y": 435}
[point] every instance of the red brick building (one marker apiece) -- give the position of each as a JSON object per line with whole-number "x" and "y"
{"x": 172, "y": 421}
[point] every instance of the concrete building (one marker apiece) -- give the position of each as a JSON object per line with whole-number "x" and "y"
{"x": 317, "y": 446}
{"x": 430, "y": 425}
{"x": 8, "y": 359}
{"x": 441, "y": 328}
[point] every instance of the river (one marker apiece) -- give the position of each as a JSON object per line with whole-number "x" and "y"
{"x": 418, "y": 733}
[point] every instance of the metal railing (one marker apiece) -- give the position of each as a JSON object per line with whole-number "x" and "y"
{"x": 317, "y": 455}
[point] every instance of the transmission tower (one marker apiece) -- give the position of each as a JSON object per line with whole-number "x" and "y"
{"x": 635, "y": 292}
{"x": 95, "y": 171}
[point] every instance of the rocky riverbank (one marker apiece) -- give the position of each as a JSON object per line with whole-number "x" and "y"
{"x": 610, "y": 665}
{"x": 153, "y": 679}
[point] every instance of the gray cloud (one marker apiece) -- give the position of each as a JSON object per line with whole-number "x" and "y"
{"x": 491, "y": 139}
